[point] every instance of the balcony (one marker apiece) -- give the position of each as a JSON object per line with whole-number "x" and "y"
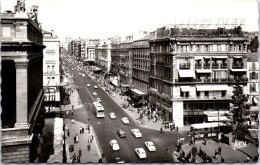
{"x": 223, "y": 66}
{"x": 238, "y": 66}
{"x": 228, "y": 97}
{"x": 184, "y": 66}
{"x": 198, "y": 66}
{"x": 206, "y": 66}
{"x": 50, "y": 61}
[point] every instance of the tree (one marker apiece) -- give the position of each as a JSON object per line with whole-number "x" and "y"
{"x": 239, "y": 104}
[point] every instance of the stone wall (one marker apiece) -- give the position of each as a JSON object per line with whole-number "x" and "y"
{"x": 15, "y": 154}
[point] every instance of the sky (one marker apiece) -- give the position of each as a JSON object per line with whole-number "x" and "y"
{"x": 107, "y": 18}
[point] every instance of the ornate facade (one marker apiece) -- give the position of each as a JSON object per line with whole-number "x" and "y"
{"x": 22, "y": 90}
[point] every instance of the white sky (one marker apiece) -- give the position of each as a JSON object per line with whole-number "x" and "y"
{"x": 107, "y": 18}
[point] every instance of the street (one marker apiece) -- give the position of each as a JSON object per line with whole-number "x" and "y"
{"x": 105, "y": 128}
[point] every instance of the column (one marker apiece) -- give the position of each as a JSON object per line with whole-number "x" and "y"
{"x": 177, "y": 113}
{"x": 21, "y": 93}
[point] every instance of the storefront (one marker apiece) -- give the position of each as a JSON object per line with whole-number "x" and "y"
{"x": 138, "y": 98}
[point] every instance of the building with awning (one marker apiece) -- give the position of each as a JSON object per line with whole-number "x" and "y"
{"x": 212, "y": 87}
{"x": 187, "y": 73}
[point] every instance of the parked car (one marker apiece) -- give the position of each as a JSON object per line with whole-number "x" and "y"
{"x": 136, "y": 133}
{"x": 125, "y": 120}
{"x": 95, "y": 86}
{"x": 150, "y": 146}
{"x": 121, "y": 133}
{"x": 140, "y": 153}
{"x": 114, "y": 145}
{"x": 95, "y": 93}
{"x": 88, "y": 85}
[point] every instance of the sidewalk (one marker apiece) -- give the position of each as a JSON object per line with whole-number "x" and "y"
{"x": 229, "y": 154}
{"x": 91, "y": 156}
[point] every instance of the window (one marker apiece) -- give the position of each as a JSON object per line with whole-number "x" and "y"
{"x": 207, "y": 93}
{"x": 53, "y": 77}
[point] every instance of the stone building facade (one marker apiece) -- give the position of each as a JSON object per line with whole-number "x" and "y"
{"x": 193, "y": 72}
{"x": 22, "y": 84}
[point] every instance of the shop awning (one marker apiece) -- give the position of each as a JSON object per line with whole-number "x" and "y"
{"x": 207, "y": 56}
{"x": 185, "y": 88}
{"x": 197, "y": 57}
{"x": 212, "y": 87}
{"x": 216, "y": 118}
{"x": 219, "y": 57}
{"x": 138, "y": 92}
{"x": 203, "y": 71}
{"x": 186, "y": 73}
{"x": 238, "y": 70}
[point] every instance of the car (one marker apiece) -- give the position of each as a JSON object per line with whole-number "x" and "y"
{"x": 95, "y": 86}
{"x": 88, "y": 85}
{"x": 136, "y": 133}
{"x": 121, "y": 133}
{"x": 95, "y": 93}
{"x": 150, "y": 146}
{"x": 114, "y": 145}
{"x": 125, "y": 120}
{"x": 112, "y": 115}
{"x": 140, "y": 153}
{"x": 98, "y": 100}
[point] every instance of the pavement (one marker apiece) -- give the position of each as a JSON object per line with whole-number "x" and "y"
{"x": 88, "y": 156}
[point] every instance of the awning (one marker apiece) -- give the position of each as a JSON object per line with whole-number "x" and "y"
{"x": 237, "y": 57}
{"x": 186, "y": 73}
{"x": 219, "y": 57}
{"x": 185, "y": 88}
{"x": 207, "y": 56}
{"x": 138, "y": 92}
{"x": 212, "y": 87}
{"x": 203, "y": 71}
{"x": 197, "y": 57}
{"x": 215, "y": 118}
{"x": 238, "y": 70}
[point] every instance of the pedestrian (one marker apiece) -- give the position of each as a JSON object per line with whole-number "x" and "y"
{"x": 68, "y": 133}
{"x": 75, "y": 140}
{"x": 205, "y": 140}
{"x": 216, "y": 154}
{"x": 177, "y": 128}
{"x": 92, "y": 136}
{"x": 88, "y": 140}
{"x": 161, "y": 130}
{"x": 168, "y": 150}
{"x": 67, "y": 112}
{"x": 73, "y": 120}
{"x": 80, "y": 152}
{"x": 219, "y": 150}
{"x": 91, "y": 140}
{"x": 80, "y": 130}
{"x": 89, "y": 147}
{"x": 74, "y": 158}
{"x": 222, "y": 160}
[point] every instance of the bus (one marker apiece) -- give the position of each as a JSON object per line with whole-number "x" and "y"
{"x": 99, "y": 109}
{"x": 207, "y": 129}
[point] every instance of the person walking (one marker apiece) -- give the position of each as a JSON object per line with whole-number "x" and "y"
{"x": 216, "y": 154}
{"x": 75, "y": 140}
{"x": 68, "y": 133}
{"x": 73, "y": 120}
{"x": 222, "y": 160}
{"x": 74, "y": 158}
{"x": 89, "y": 147}
{"x": 219, "y": 150}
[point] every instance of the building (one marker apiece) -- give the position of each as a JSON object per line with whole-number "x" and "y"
{"x": 253, "y": 84}
{"x": 193, "y": 70}
{"x": 141, "y": 69}
{"x": 22, "y": 84}
{"x": 103, "y": 55}
{"x": 51, "y": 69}
{"x": 115, "y": 61}
{"x": 90, "y": 51}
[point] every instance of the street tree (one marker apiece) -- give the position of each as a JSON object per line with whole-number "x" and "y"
{"x": 239, "y": 100}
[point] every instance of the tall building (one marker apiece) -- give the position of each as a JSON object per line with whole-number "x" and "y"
{"x": 103, "y": 55}
{"x": 193, "y": 71}
{"x": 51, "y": 69}
{"x": 90, "y": 51}
{"x": 141, "y": 69}
{"x": 22, "y": 84}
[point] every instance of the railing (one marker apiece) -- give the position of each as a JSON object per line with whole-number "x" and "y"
{"x": 198, "y": 66}
{"x": 206, "y": 66}
{"x": 237, "y": 66}
{"x": 213, "y": 80}
{"x": 203, "y": 98}
{"x": 184, "y": 66}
